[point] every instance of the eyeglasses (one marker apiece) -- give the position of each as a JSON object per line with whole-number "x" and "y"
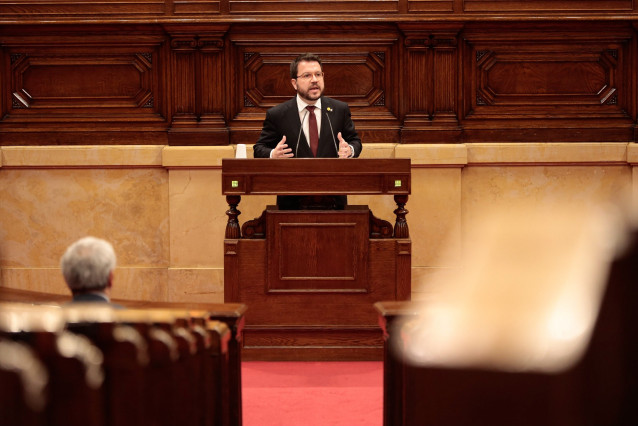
{"x": 308, "y": 76}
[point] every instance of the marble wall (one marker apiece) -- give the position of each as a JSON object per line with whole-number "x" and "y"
{"x": 161, "y": 206}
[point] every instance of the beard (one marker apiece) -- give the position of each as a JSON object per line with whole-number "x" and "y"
{"x": 308, "y": 95}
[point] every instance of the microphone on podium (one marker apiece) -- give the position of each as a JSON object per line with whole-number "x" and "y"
{"x": 299, "y": 135}
{"x": 332, "y": 133}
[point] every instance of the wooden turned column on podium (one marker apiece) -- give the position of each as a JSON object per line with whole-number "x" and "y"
{"x": 310, "y": 277}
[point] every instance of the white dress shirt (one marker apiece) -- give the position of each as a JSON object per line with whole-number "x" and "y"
{"x": 301, "y": 106}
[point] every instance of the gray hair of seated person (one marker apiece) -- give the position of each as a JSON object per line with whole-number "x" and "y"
{"x": 87, "y": 264}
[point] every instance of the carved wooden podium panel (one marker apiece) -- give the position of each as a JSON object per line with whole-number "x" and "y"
{"x": 325, "y": 251}
{"x": 310, "y": 278}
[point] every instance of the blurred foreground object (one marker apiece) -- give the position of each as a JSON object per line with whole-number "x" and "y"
{"x": 539, "y": 327}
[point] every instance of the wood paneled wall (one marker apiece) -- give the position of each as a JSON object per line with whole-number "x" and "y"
{"x": 203, "y": 72}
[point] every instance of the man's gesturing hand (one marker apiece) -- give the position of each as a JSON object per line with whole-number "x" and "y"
{"x": 344, "y": 148}
{"x": 282, "y": 150}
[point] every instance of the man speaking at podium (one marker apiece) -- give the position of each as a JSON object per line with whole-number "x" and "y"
{"x": 308, "y": 126}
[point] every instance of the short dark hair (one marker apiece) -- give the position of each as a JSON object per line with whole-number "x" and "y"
{"x": 308, "y": 57}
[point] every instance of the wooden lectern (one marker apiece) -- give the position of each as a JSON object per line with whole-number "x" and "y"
{"x": 310, "y": 278}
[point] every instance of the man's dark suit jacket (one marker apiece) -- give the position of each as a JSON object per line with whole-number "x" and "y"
{"x": 93, "y": 298}
{"x": 283, "y": 120}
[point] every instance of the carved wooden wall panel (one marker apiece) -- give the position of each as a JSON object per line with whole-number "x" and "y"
{"x": 316, "y": 6}
{"x": 359, "y": 62}
{"x": 430, "y": 70}
{"x": 61, "y": 81}
{"x": 210, "y": 83}
{"x": 188, "y": 7}
{"x": 69, "y": 8}
{"x": 111, "y": 8}
{"x": 570, "y": 78}
{"x": 199, "y": 86}
{"x": 430, "y": 5}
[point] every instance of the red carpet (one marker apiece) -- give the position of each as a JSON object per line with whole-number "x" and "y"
{"x": 312, "y": 393}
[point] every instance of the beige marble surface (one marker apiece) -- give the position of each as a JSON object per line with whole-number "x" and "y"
{"x": 45, "y": 210}
{"x": 632, "y": 158}
{"x": 162, "y": 207}
{"x": 120, "y": 194}
{"x": 197, "y": 210}
{"x": 200, "y": 285}
{"x": 547, "y": 153}
{"x": 82, "y": 156}
{"x": 502, "y": 186}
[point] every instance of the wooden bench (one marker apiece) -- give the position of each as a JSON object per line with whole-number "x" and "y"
{"x": 601, "y": 388}
{"x": 188, "y": 363}
{"x": 23, "y": 378}
{"x": 161, "y": 366}
{"x": 231, "y": 314}
{"x": 73, "y": 366}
